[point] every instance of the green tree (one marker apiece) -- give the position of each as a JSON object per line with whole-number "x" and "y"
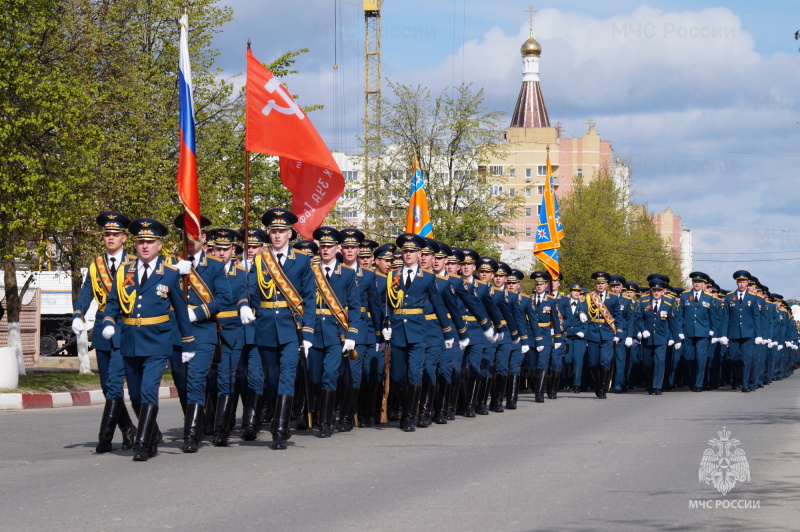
{"x": 452, "y": 135}
{"x": 603, "y": 232}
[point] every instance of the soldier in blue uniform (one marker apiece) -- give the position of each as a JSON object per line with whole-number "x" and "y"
{"x": 209, "y": 293}
{"x": 604, "y": 328}
{"x": 144, "y": 292}
{"x": 547, "y": 333}
{"x": 575, "y": 315}
{"x": 520, "y": 350}
{"x": 338, "y": 308}
{"x": 408, "y": 291}
{"x": 374, "y": 370}
{"x": 231, "y": 330}
{"x": 366, "y": 251}
{"x": 741, "y": 328}
{"x": 557, "y": 356}
{"x": 696, "y": 325}
{"x": 283, "y": 294}
{"x": 630, "y": 290}
{"x": 621, "y": 347}
{"x": 96, "y": 287}
{"x": 515, "y": 326}
{"x": 658, "y": 324}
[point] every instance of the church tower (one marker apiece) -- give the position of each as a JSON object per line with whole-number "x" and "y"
{"x": 531, "y": 110}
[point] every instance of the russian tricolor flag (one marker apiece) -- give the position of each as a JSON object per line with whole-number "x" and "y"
{"x": 187, "y": 162}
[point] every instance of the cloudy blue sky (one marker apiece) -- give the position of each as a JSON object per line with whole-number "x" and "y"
{"x": 703, "y": 98}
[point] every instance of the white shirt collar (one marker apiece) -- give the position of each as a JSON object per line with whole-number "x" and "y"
{"x": 413, "y": 270}
{"x": 331, "y": 264}
{"x": 197, "y": 256}
{"x": 117, "y": 256}
{"x": 285, "y": 251}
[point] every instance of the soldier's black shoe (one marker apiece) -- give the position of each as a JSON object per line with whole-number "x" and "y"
{"x": 249, "y": 421}
{"x": 538, "y": 385}
{"x": 144, "y": 447}
{"x": 107, "y": 425}
{"x": 512, "y": 392}
{"x": 441, "y": 404}
{"x": 221, "y": 420}
{"x": 426, "y": 405}
{"x": 603, "y": 383}
{"x": 192, "y": 427}
{"x": 413, "y": 394}
{"x": 657, "y": 392}
{"x": 498, "y": 393}
{"x": 471, "y": 397}
{"x": 126, "y": 427}
{"x": 552, "y": 385}
{"x": 280, "y": 422}
{"x": 483, "y": 396}
{"x": 327, "y": 412}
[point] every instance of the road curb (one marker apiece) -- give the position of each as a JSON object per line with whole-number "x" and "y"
{"x": 25, "y": 401}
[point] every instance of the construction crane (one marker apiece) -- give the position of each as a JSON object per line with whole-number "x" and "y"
{"x": 372, "y": 99}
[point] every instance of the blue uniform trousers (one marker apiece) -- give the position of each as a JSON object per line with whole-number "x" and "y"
{"x": 324, "y": 364}
{"x": 537, "y": 360}
{"x": 356, "y": 367}
{"x": 226, "y": 369}
{"x": 515, "y": 359}
{"x": 714, "y": 365}
{"x": 192, "y": 375}
{"x": 178, "y": 369}
{"x": 144, "y": 378}
{"x": 374, "y": 366}
{"x": 471, "y": 359}
{"x": 433, "y": 359}
{"x": 634, "y": 358}
{"x": 600, "y": 353}
{"x": 275, "y": 366}
{"x": 576, "y": 351}
{"x": 112, "y": 372}
{"x": 444, "y": 370}
{"x": 620, "y": 363}
{"x": 653, "y": 357}
{"x": 740, "y": 351}
{"x": 557, "y": 358}
{"x": 696, "y": 348}
{"x": 501, "y": 358}
{"x": 407, "y": 362}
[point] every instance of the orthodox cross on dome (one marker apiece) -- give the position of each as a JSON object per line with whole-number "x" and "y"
{"x": 531, "y": 11}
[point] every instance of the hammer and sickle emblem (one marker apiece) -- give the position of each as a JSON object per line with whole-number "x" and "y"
{"x": 273, "y": 85}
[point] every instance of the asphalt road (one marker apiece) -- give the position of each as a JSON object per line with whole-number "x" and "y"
{"x": 578, "y": 463}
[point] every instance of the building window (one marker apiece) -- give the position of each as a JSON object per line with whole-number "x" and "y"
{"x": 497, "y": 190}
{"x": 528, "y": 192}
{"x": 512, "y": 192}
{"x": 527, "y": 232}
{"x": 540, "y": 190}
{"x": 496, "y": 170}
{"x": 527, "y": 211}
{"x": 541, "y": 170}
{"x": 512, "y": 172}
{"x": 537, "y": 210}
{"x": 527, "y": 175}
{"x": 580, "y": 172}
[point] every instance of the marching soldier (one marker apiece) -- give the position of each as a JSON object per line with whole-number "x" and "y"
{"x": 145, "y": 291}
{"x": 515, "y": 324}
{"x": 575, "y": 315}
{"x": 282, "y": 292}
{"x": 696, "y": 325}
{"x": 209, "y": 293}
{"x": 520, "y": 350}
{"x": 659, "y": 327}
{"x": 375, "y": 368}
{"x": 741, "y": 328}
{"x": 96, "y": 287}
{"x": 604, "y": 328}
{"x": 630, "y": 290}
{"x": 621, "y": 347}
{"x": 338, "y": 322}
{"x": 547, "y": 334}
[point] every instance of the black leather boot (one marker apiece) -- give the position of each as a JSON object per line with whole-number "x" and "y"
{"x": 349, "y": 409}
{"x": 603, "y": 383}
{"x": 366, "y": 409}
{"x": 441, "y": 404}
{"x": 327, "y": 413}
{"x": 221, "y": 424}
{"x": 108, "y": 423}
{"x": 413, "y": 394}
{"x": 483, "y": 397}
{"x": 595, "y": 371}
{"x": 144, "y": 446}
{"x": 126, "y": 427}
{"x": 552, "y": 385}
{"x": 426, "y": 406}
{"x": 393, "y": 405}
{"x": 456, "y": 389}
{"x": 193, "y": 427}
{"x": 498, "y": 391}
{"x": 538, "y": 383}
{"x": 471, "y": 397}
{"x": 249, "y": 421}
{"x": 280, "y": 422}
{"x": 513, "y": 392}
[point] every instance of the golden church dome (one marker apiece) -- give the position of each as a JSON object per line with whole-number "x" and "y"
{"x": 531, "y": 47}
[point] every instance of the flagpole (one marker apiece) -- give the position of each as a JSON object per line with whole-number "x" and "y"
{"x": 185, "y": 278}
{"x": 246, "y": 200}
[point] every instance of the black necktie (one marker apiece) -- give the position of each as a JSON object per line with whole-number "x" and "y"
{"x": 144, "y": 275}
{"x": 327, "y": 272}
{"x": 280, "y": 261}
{"x": 573, "y": 307}
{"x": 656, "y": 307}
{"x": 538, "y": 301}
{"x": 408, "y": 280}
{"x": 193, "y": 261}
{"x": 113, "y": 267}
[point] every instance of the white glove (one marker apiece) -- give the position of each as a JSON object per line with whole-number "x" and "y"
{"x": 583, "y": 317}
{"x": 628, "y": 342}
{"x": 671, "y": 342}
{"x": 348, "y": 345}
{"x": 108, "y": 332}
{"x": 645, "y": 334}
{"x": 462, "y": 344}
{"x": 495, "y": 338}
{"x": 579, "y": 335}
{"x": 525, "y": 348}
{"x": 557, "y": 345}
{"x": 639, "y": 335}
{"x": 387, "y": 333}
{"x": 186, "y": 356}
{"x": 616, "y": 340}
{"x": 192, "y": 316}
{"x": 788, "y": 344}
{"x": 711, "y": 333}
{"x": 448, "y": 343}
{"x": 540, "y": 349}
{"x": 723, "y": 340}
{"x": 380, "y": 347}
{"x": 306, "y": 347}
{"x": 246, "y": 315}
{"x": 780, "y": 347}
{"x": 681, "y": 336}
{"x": 78, "y": 326}
{"x": 759, "y": 340}
{"x": 714, "y": 340}
{"x": 515, "y": 342}
{"x": 636, "y": 342}
{"x": 184, "y": 267}
{"x": 678, "y": 345}
{"x": 500, "y": 336}
{"x": 489, "y": 334}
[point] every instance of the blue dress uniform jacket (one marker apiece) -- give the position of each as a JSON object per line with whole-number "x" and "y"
{"x": 232, "y": 330}
{"x": 84, "y": 301}
{"x": 274, "y": 325}
{"x": 696, "y": 317}
{"x": 572, "y": 324}
{"x": 598, "y": 330}
{"x": 152, "y": 301}
{"x": 369, "y": 331}
{"x": 328, "y": 330}
{"x": 447, "y": 294}
{"x": 740, "y": 316}
{"x": 408, "y": 321}
{"x": 547, "y": 320}
{"x": 471, "y": 309}
{"x": 661, "y": 331}
{"x": 501, "y": 301}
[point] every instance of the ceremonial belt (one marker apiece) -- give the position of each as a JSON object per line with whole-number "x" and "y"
{"x": 101, "y": 281}
{"x": 597, "y": 320}
{"x": 200, "y": 287}
{"x": 545, "y": 324}
{"x": 469, "y": 318}
{"x": 593, "y": 301}
{"x": 325, "y": 311}
{"x": 279, "y": 279}
{"x": 227, "y": 314}
{"x": 503, "y": 322}
{"x": 328, "y": 296}
{"x": 430, "y": 317}
{"x": 408, "y": 311}
{"x": 363, "y": 309}
{"x": 146, "y": 321}
{"x": 273, "y": 304}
